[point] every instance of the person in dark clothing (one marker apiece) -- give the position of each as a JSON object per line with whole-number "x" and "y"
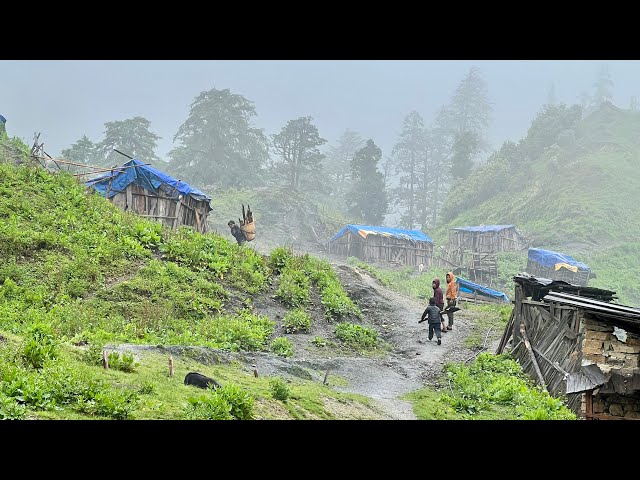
{"x": 439, "y": 298}
{"x": 432, "y": 315}
{"x": 236, "y": 232}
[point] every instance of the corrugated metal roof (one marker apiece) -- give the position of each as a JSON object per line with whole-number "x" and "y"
{"x": 595, "y": 306}
{"x": 538, "y": 287}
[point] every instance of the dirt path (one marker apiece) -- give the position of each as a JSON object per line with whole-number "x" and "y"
{"x": 413, "y": 362}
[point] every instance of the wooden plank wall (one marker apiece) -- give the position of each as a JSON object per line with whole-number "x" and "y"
{"x": 192, "y": 213}
{"x": 555, "y": 337}
{"x": 382, "y": 248}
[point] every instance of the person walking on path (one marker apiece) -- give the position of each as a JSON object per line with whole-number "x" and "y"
{"x": 432, "y": 315}
{"x": 439, "y": 298}
{"x": 451, "y": 296}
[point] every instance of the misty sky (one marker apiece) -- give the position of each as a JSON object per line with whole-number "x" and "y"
{"x": 64, "y": 99}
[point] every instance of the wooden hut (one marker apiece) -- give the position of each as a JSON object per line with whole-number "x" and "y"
{"x": 577, "y": 344}
{"x": 395, "y": 245}
{"x": 485, "y": 239}
{"x": 473, "y": 249}
{"x": 557, "y": 266}
{"x": 142, "y": 189}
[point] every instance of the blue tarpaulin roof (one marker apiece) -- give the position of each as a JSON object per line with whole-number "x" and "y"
{"x": 147, "y": 177}
{"x": 548, "y": 258}
{"x": 484, "y": 228}
{"x": 364, "y": 230}
{"x": 473, "y": 288}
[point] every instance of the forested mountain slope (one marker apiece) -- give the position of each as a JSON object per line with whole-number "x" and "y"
{"x": 572, "y": 185}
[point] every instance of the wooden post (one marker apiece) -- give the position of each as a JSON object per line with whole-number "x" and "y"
{"x": 532, "y": 356}
{"x": 588, "y": 400}
{"x": 170, "y": 365}
{"x": 326, "y": 375}
{"x": 129, "y": 200}
{"x": 176, "y": 222}
{"x": 105, "y": 359}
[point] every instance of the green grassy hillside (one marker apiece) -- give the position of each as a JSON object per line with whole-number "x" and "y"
{"x": 78, "y": 276}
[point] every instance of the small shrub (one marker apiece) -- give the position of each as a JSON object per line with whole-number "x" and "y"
{"x": 39, "y": 345}
{"x": 208, "y": 407}
{"x": 279, "y": 258}
{"x": 229, "y": 402}
{"x": 147, "y": 388}
{"x": 296, "y": 320}
{"x": 319, "y": 342}
{"x": 293, "y": 289}
{"x": 279, "y": 389}
{"x": 93, "y": 354}
{"x": 124, "y": 362}
{"x": 282, "y": 347}
{"x": 356, "y": 335}
{"x": 111, "y": 404}
{"x": 10, "y": 409}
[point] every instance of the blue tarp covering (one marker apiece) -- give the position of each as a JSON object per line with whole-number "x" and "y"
{"x": 470, "y": 287}
{"x": 413, "y": 235}
{"x": 145, "y": 176}
{"x": 548, "y": 258}
{"x": 484, "y": 228}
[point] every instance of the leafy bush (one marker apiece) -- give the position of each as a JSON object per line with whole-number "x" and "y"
{"x": 279, "y": 389}
{"x": 282, "y": 347}
{"x": 148, "y": 234}
{"x": 499, "y": 380}
{"x": 147, "y": 388}
{"x": 208, "y": 407}
{"x": 243, "y": 331}
{"x": 337, "y": 303}
{"x": 319, "y": 342}
{"x": 228, "y": 402}
{"x": 124, "y": 362}
{"x": 293, "y": 289}
{"x": 296, "y": 320}
{"x": 39, "y": 345}
{"x": 10, "y": 409}
{"x": 279, "y": 258}
{"x": 110, "y": 403}
{"x": 357, "y": 336}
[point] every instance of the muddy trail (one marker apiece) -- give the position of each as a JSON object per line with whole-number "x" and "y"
{"x": 411, "y": 363}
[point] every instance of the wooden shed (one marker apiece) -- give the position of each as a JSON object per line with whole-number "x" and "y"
{"x": 474, "y": 249}
{"x": 578, "y": 345}
{"x": 486, "y": 239}
{"x": 142, "y": 189}
{"x": 557, "y": 266}
{"x": 395, "y": 245}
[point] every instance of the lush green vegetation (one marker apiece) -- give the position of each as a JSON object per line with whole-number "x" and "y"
{"x": 78, "y": 275}
{"x": 490, "y": 387}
